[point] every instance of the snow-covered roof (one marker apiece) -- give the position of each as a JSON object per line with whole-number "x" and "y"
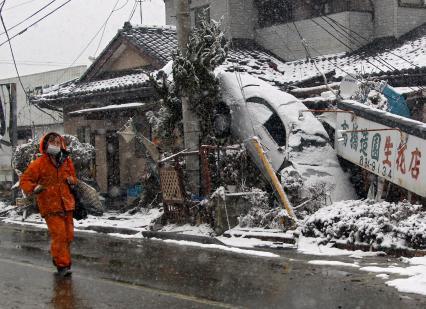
{"x": 404, "y": 56}
{"x": 251, "y": 58}
{"x": 108, "y": 108}
{"x": 106, "y": 86}
{"x": 382, "y": 58}
{"x": 157, "y": 41}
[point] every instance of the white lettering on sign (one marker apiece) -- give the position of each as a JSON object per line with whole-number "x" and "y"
{"x": 387, "y": 153}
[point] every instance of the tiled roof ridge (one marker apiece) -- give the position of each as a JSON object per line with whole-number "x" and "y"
{"x": 78, "y": 82}
{"x": 131, "y": 27}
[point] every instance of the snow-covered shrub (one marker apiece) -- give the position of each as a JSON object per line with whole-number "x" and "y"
{"x": 80, "y": 153}
{"x": 369, "y": 222}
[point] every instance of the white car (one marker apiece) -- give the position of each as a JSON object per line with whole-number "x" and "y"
{"x": 291, "y": 141}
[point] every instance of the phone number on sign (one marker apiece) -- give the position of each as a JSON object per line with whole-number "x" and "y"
{"x": 375, "y": 167}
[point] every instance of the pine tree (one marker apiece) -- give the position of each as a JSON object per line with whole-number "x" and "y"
{"x": 193, "y": 74}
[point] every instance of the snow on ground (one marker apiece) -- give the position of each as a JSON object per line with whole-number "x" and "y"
{"x": 407, "y": 276}
{"x": 312, "y": 246}
{"x": 187, "y": 229}
{"x": 415, "y": 273}
{"x": 139, "y": 221}
{"x": 333, "y": 263}
{"x": 407, "y": 279}
{"x": 220, "y": 247}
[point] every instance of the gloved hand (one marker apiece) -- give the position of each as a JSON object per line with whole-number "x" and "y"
{"x": 38, "y": 189}
{"x": 71, "y": 181}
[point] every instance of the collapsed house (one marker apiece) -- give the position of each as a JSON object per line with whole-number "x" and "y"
{"x": 117, "y": 87}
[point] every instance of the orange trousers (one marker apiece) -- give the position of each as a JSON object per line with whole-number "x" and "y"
{"x": 61, "y": 230}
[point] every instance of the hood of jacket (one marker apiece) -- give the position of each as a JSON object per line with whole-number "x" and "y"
{"x": 45, "y": 138}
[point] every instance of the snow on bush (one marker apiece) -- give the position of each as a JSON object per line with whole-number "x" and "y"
{"x": 81, "y": 154}
{"x": 370, "y": 222}
{"x": 261, "y": 214}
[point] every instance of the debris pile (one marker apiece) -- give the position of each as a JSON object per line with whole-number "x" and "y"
{"x": 369, "y": 222}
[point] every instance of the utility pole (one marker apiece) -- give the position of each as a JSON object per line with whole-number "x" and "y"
{"x": 140, "y": 9}
{"x": 13, "y": 128}
{"x": 191, "y": 123}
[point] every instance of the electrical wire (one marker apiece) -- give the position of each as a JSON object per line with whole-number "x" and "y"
{"x": 347, "y": 35}
{"x": 34, "y": 23}
{"x": 367, "y": 41}
{"x": 12, "y": 53}
{"x": 344, "y": 44}
{"x": 19, "y": 5}
{"x": 32, "y": 15}
{"x": 14, "y": 62}
{"x": 85, "y": 47}
{"x": 132, "y": 12}
{"x": 332, "y": 63}
{"x": 105, "y": 25}
{"x": 308, "y": 54}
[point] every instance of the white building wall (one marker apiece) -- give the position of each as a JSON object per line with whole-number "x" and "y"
{"x": 390, "y": 20}
{"x": 283, "y": 40}
{"x": 408, "y": 19}
{"x": 243, "y": 12}
{"x": 385, "y": 18}
{"x": 28, "y": 116}
{"x": 243, "y": 19}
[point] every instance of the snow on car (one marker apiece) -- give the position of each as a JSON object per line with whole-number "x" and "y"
{"x": 292, "y": 144}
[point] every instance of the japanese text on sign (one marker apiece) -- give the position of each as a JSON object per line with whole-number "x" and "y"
{"x": 387, "y": 153}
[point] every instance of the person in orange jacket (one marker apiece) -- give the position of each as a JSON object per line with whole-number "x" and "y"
{"x": 49, "y": 178}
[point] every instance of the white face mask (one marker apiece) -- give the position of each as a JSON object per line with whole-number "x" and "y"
{"x": 52, "y": 149}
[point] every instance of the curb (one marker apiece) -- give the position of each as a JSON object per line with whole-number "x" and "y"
{"x": 107, "y": 229}
{"x": 152, "y": 234}
{"x": 281, "y": 239}
{"x": 396, "y": 252}
{"x": 177, "y": 236}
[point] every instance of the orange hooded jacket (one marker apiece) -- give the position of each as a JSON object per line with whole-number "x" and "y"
{"x": 57, "y": 196}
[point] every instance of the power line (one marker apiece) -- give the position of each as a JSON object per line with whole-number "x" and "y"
{"x": 34, "y": 23}
{"x": 32, "y": 15}
{"x": 132, "y": 12}
{"x": 33, "y": 63}
{"x": 347, "y": 35}
{"x": 367, "y": 40}
{"x": 381, "y": 60}
{"x": 90, "y": 42}
{"x": 11, "y": 52}
{"x": 19, "y": 5}
{"x": 106, "y": 23}
{"x": 344, "y": 44}
{"x": 14, "y": 62}
{"x": 308, "y": 54}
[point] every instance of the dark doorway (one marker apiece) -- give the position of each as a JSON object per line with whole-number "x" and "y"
{"x": 113, "y": 164}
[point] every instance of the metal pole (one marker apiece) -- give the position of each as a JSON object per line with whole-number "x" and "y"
{"x": 191, "y": 123}
{"x": 140, "y": 8}
{"x": 13, "y": 130}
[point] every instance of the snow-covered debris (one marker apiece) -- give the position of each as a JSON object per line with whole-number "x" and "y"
{"x": 374, "y": 223}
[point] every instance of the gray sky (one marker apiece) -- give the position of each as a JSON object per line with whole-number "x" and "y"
{"x": 56, "y": 41}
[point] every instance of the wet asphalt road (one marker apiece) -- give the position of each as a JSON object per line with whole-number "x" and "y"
{"x": 122, "y": 273}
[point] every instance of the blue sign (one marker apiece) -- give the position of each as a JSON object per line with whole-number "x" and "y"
{"x": 396, "y": 102}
